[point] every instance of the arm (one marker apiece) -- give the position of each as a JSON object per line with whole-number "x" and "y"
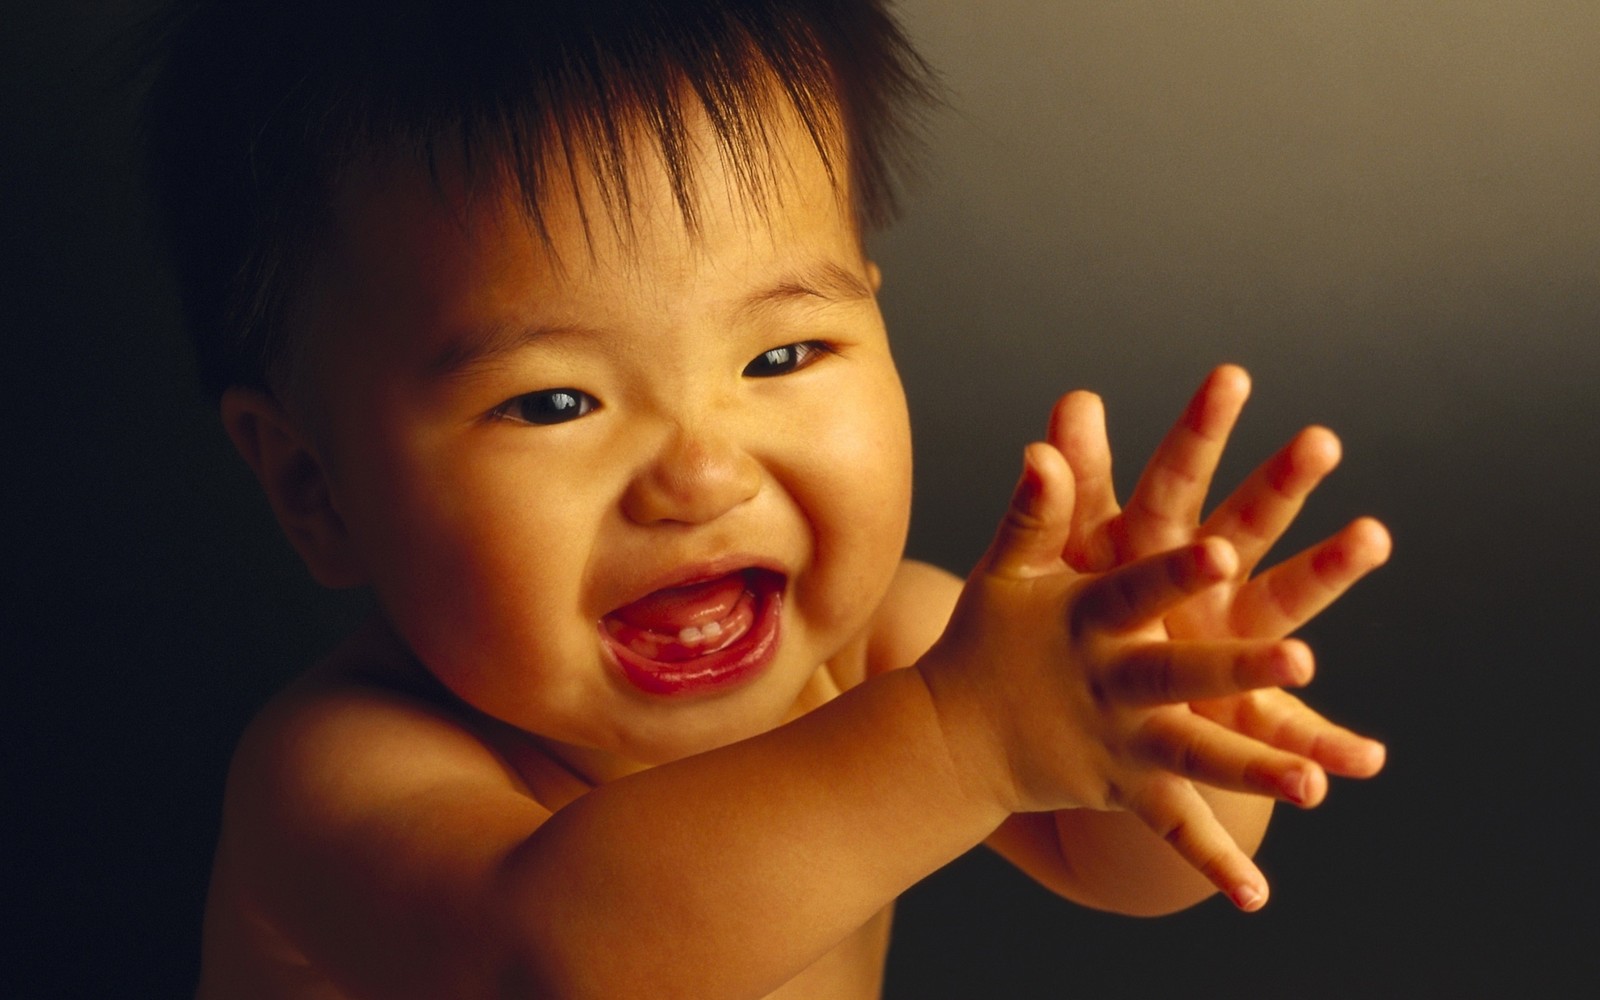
{"x": 400, "y": 856}
{"x": 393, "y": 852}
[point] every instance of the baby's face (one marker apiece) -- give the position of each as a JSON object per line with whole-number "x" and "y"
{"x": 630, "y": 501}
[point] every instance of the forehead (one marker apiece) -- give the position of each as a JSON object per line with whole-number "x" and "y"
{"x": 448, "y": 250}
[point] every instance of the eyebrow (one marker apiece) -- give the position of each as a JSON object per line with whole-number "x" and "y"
{"x": 823, "y": 281}
{"x": 480, "y": 347}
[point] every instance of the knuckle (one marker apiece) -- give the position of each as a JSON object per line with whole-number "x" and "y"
{"x": 1281, "y": 595}
{"x": 1263, "y": 775}
{"x": 1253, "y": 519}
{"x": 1163, "y": 681}
{"x": 1151, "y": 514}
{"x": 1243, "y": 673}
{"x": 1191, "y": 757}
{"x": 1147, "y": 675}
{"x": 1331, "y": 565}
{"x": 1121, "y": 598}
{"x": 1019, "y": 520}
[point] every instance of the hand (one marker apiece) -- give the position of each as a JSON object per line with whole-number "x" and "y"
{"x": 1165, "y": 511}
{"x": 1060, "y": 689}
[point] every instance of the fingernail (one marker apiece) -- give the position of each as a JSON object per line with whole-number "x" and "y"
{"x": 1293, "y": 659}
{"x": 1029, "y": 485}
{"x": 1248, "y": 897}
{"x": 1294, "y": 787}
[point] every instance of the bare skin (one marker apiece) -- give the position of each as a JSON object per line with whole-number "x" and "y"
{"x": 370, "y": 704}
{"x": 371, "y": 680}
{"x": 469, "y": 798}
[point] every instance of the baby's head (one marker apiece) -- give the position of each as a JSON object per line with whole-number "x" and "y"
{"x": 551, "y": 323}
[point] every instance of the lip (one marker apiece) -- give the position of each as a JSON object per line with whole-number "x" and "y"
{"x": 683, "y": 575}
{"x": 726, "y": 668}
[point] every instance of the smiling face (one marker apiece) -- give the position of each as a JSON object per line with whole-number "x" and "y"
{"x": 630, "y": 492}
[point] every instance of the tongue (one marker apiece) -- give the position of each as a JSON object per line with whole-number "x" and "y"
{"x": 671, "y": 610}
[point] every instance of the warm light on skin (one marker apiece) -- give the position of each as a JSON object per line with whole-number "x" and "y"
{"x": 495, "y": 546}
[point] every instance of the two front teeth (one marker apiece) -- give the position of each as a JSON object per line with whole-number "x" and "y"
{"x": 702, "y": 635}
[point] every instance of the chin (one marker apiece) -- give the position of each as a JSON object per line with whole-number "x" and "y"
{"x": 676, "y": 729}
{"x": 679, "y": 738}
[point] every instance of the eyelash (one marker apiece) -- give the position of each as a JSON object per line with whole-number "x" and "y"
{"x": 788, "y": 358}
{"x": 548, "y": 406}
{"x": 558, "y": 406}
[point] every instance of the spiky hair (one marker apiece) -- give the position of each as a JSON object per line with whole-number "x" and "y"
{"x": 259, "y": 106}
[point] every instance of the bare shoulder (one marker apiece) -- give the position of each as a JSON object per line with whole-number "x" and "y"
{"x": 912, "y": 616}
{"x": 354, "y": 731}
{"x": 345, "y": 809}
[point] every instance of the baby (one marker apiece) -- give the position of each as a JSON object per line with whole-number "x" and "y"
{"x": 551, "y": 324}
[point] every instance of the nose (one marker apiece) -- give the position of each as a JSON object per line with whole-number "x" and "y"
{"x": 696, "y": 477}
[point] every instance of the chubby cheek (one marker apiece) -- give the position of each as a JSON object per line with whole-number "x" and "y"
{"x": 468, "y": 568}
{"x": 857, "y": 496}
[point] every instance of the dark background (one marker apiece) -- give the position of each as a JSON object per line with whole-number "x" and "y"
{"x": 1388, "y": 211}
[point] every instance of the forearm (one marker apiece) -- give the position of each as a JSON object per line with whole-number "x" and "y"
{"x": 727, "y": 873}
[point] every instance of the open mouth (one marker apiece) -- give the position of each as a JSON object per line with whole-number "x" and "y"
{"x": 699, "y": 636}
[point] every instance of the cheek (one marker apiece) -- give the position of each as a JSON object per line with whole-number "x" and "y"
{"x": 859, "y": 497}
{"x": 459, "y": 552}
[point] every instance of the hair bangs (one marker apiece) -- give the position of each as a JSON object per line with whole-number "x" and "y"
{"x": 261, "y": 108}
{"x": 577, "y": 113}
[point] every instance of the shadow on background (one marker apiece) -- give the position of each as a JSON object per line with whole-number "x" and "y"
{"x": 1389, "y": 212}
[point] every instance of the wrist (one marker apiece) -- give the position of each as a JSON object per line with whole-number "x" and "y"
{"x": 970, "y": 736}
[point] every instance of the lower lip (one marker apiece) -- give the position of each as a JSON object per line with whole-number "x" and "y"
{"x": 713, "y": 672}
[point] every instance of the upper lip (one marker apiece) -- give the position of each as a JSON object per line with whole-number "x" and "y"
{"x": 685, "y": 574}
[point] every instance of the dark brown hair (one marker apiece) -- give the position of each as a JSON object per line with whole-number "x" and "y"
{"x": 258, "y": 106}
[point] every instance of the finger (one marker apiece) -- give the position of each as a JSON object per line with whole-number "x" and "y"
{"x": 1166, "y": 504}
{"x": 1034, "y": 530}
{"x": 1201, "y": 750}
{"x": 1170, "y": 672}
{"x": 1078, "y": 431}
{"x": 1174, "y": 810}
{"x": 1279, "y": 719}
{"x": 1258, "y": 512}
{"x": 1292, "y": 593}
{"x": 1141, "y": 591}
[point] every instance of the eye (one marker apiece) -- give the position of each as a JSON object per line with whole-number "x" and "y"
{"x": 786, "y": 359}
{"x": 548, "y": 406}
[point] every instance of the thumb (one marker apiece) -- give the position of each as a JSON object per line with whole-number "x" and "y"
{"x": 1039, "y": 519}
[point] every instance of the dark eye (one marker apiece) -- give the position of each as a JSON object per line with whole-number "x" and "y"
{"x": 786, "y": 359}
{"x": 549, "y": 406}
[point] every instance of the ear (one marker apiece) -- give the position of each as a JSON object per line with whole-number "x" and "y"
{"x": 290, "y": 472}
{"x": 874, "y": 276}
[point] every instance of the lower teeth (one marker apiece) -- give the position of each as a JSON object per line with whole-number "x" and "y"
{"x": 708, "y": 633}
{"x": 688, "y": 642}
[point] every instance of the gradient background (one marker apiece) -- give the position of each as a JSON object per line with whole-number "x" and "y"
{"x": 1388, "y": 211}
